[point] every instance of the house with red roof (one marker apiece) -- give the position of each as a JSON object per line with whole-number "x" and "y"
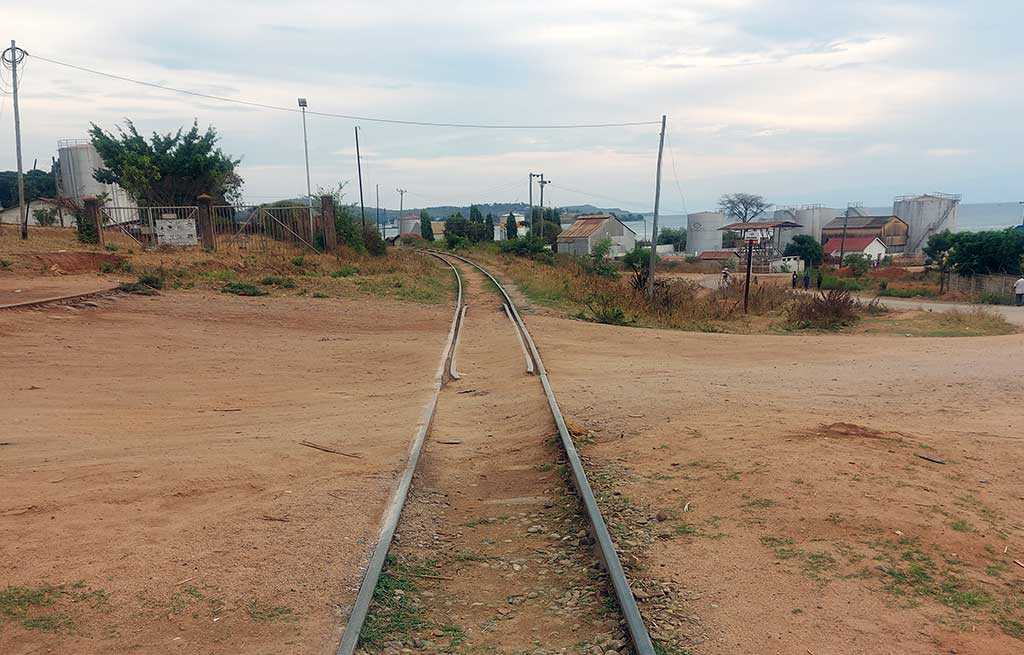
{"x": 838, "y": 247}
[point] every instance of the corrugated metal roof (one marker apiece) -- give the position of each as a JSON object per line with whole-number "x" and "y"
{"x": 853, "y": 244}
{"x": 583, "y": 227}
{"x": 859, "y": 222}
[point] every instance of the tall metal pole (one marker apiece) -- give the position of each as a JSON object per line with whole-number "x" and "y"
{"x": 378, "y": 208}
{"x": 359, "y": 169}
{"x": 750, "y": 264}
{"x": 309, "y": 188}
{"x": 14, "y": 60}
{"x": 530, "y": 217}
{"x": 657, "y": 204}
{"x": 401, "y": 206}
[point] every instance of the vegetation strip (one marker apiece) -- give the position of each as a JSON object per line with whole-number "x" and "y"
{"x": 350, "y": 637}
{"x": 606, "y": 549}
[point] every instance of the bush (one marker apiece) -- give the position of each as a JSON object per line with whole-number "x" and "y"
{"x": 146, "y": 285}
{"x": 859, "y": 263}
{"x": 827, "y": 311}
{"x": 278, "y": 281}
{"x": 830, "y": 282}
{"x": 909, "y": 292}
{"x": 605, "y": 308}
{"x": 86, "y": 229}
{"x": 374, "y": 243}
{"x": 151, "y": 280}
{"x": 526, "y": 246}
{"x": 455, "y": 241}
{"x": 243, "y": 289}
{"x": 320, "y": 294}
{"x": 45, "y": 217}
{"x": 298, "y": 261}
{"x": 345, "y": 271}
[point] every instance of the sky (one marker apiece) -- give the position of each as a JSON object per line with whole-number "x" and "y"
{"x": 802, "y": 101}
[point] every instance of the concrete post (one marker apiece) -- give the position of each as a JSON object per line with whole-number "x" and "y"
{"x": 327, "y": 223}
{"x": 92, "y": 215}
{"x": 204, "y": 223}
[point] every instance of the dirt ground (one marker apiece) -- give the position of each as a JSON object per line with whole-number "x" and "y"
{"x": 19, "y": 289}
{"x": 156, "y": 497}
{"x": 784, "y": 494}
{"x": 492, "y": 554}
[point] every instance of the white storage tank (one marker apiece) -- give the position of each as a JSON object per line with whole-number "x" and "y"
{"x": 704, "y": 231}
{"x": 812, "y": 218}
{"x": 925, "y": 215}
{"x": 78, "y": 161}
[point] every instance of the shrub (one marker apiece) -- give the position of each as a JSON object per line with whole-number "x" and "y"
{"x": 298, "y": 261}
{"x": 151, "y": 280}
{"x": 345, "y": 271}
{"x": 112, "y": 247}
{"x": 526, "y": 246}
{"x": 455, "y": 241}
{"x": 106, "y": 267}
{"x": 45, "y": 217}
{"x": 278, "y": 281}
{"x": 243, "y": 289}
{"x": 605, "y": 308}
{"x": 908, "y": 292}
{"x": 989, "y": 298}
{"x": 86, "y": 229}
{"x": 828, "y": 311}
{"x": 829, "y": 282}
{"x": 374, "y": 243}
{"x": 320, "y": 294}
{"x": 146, "y": 285}
{"x": 5, "y": 263}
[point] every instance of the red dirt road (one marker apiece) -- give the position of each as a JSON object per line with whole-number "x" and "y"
{"x": 775, "y": 487}
{"x": 153, "y": 485}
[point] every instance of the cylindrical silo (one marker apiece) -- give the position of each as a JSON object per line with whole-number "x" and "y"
{"x": 812, "y": 218}
{"x": 78, "y": 161}
{"x": 704, "y": 231}
{"x": 926, "y": 215}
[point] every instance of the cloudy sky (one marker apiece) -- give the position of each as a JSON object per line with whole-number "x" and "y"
{"x": 800, "y": 100}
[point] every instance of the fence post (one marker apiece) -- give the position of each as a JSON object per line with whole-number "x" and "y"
{"x": 327, "y": 221}
{"x": 92, "y": 214}
{"x": 205, "y": 222}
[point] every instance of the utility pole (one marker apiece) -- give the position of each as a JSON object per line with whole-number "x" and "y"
{"x": 543, "y": 183}
{"x": 401, "y": 205}
{"x": 309, "y": 191}
{"x": 378, "y": 208}
{"x": 750, "y": 264}
{"x": 657, "y": 202}
{"x": 532, "y": 226}
{"x": 842, "y": 244}
{"x": 359, "y": 169}
{"x": 14, "y": 56}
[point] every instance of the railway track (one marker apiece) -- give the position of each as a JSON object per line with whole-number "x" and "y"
{"x": 502, "y": 553}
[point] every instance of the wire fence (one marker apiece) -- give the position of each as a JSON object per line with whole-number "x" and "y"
{"x": 257, "y": 229}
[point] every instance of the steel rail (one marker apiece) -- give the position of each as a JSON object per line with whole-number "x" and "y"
{"x": 60, "y": 300}
{"x": 522, "y": 344}
{"x": 606, "y": 548}
{"x": 361, "y": 607}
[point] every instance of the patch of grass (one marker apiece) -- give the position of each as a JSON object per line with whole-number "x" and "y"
{"x": 345, "y": 271}
{"x": 686, "y": 529}
{"x": 455, "y": 634}
{"x": 781, "y": 546}
{"x": 759, "y": 503}
{"x": 220, "y": 275}
{"x": 976, "y": 322}
{"x": 817, "y": 564}
{"x": 48, "y": 622}
{"x": 393, "y": 613}
{"x": 243, "y": 289}
{"x": 269, "y": 613}
{"x": 961, "y": 525}
{"x": 278, "y": 281}
{"x": 5, "y": 263}
{"x": 299, "y": 261}
{"x": 320, "y": 294}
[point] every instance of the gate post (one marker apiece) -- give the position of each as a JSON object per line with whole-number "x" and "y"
{"x": 205, "y": 222}
{"x": 327, "y": 223}
{"x": 92, "y": 215}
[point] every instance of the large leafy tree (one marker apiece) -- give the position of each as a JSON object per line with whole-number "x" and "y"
{"x": 168, "y": 169}
{"x": 38, "y": 184}
{"x": 676, "y": 237}
{"x": 806, "y": 248}
{"x": 743, "y": 207}
{"x": 511, "y": 229}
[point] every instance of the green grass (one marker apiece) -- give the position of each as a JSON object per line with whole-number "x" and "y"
{"x": 26, "y": 604}
{"x": 961, "y": 525}
{"x": 269, "y": 613}
{"x": 243, "y": 289}
{"x": 278, "y": 281}
{"x": 345, "y": 271}
{"x": 393, "y": 614}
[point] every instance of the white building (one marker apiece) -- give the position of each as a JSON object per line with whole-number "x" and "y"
{"x": 872, "y": 247}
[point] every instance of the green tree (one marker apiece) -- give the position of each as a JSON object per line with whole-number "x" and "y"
{"x": 38, "y": 184}
{"x": 988, "y": 252}
{"x": 349, "y": 233}
{"x": 858, "y": 262}
{"x": 511, "y": 229}
{"x": 806, "y": 248}
{"x": 939, "y": 244}
{"x": 743, "y": 207}
{"x": 168, "y": 169}
{"x": 637, "y": 258}
{"x": 474, "y": 214}
{"x": 730, "y": 239}
{"x": 426, "y": 228}
{"x": 676, "y": 237}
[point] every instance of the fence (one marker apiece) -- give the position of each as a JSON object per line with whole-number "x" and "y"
{"x": 994, "y": 286}
{"x": 249, "y": 229}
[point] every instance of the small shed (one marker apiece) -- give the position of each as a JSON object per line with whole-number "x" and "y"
{"x": 870, "y": 246}
{"x": 890, "y": 230}
{"x": 589, "y": 229}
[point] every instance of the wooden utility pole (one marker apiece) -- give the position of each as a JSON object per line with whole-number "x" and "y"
{"x": 842, "y": 244}
{"x": 543, "y": 183}
{"x": 378, "y": 210}
{"x": 657, "y": 203}
{"x": 359, "y": 170}
{"x": 14, "y": 56}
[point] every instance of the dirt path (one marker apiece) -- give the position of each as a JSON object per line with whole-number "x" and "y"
{"x": 490, "y": 540}
{"x": 18, "y": 289}
{"x": 801, "y": 494}
{"x": 155, "y": 495}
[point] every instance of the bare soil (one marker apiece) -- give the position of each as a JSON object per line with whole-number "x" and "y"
{"x": 20, "y": 289}
{"x": 156, "y": 497}
{"x": 492, "y": 555}
{"x": 806, "y": 494}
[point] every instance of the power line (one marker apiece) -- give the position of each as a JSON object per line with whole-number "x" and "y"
{"x": 675, "y": 173}
{"x": 368, "y": 119}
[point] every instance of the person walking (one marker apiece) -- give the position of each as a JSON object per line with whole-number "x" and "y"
{"x": 1018, "y": 290}
{"x": 725, "y": 276}
{"x": 793, "y": 281}
{"x": 807, "y": 280}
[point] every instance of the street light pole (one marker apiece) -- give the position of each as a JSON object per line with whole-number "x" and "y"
{"x": 532, "y": 226}
{"x": 309, "y": 189}
{"x": 543, "y": 183}
{"x": 16, "y": 57}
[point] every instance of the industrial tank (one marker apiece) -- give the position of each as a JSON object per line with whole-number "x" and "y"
{"x": 812, "y": 218}
{"x": 78, "y": 161}
{"x": 704, "y": 231}
{"x": 926, "y": 215}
